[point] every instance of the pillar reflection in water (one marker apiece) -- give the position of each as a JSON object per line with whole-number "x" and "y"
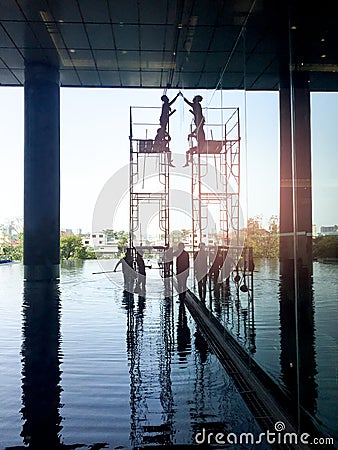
{"x": 41, "y": 374}
{"x": 298, "y": 341}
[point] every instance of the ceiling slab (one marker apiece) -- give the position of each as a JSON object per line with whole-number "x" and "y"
{"x": 170, "y": 43}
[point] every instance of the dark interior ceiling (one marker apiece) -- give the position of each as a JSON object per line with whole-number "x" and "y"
{"x": 229, "y": 44}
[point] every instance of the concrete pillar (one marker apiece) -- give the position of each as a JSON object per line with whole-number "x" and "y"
{"x": 301, "y": 201}
{"x": 42, "y": 173}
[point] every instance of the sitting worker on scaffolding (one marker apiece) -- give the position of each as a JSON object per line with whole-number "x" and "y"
{"x": 199, "y": 121}
{"x": 161, "y": 144}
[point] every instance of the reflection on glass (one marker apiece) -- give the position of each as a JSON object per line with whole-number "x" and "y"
{"x": 233, "y": 306}
{"x": 298, "y": 343}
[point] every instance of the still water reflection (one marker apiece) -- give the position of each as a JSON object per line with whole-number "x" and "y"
{"x": 83, "y": 365}
{"x": 102, "y": 370}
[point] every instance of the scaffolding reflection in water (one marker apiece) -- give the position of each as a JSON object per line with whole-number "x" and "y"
{"x": 151, "y": 398}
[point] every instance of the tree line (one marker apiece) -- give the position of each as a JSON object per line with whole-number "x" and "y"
{"x": 264, "y": 241}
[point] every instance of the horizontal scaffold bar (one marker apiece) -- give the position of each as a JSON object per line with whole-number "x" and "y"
{"x": 149, "y": 196}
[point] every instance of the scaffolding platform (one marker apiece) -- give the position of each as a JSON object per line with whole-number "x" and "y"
{"x": 152, "y": 146}
{"x": 215, "y": 178}
{"x": 212, "y": 147}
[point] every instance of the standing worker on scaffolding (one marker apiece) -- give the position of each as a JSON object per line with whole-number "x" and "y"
{"x": 199, "y": 119}
{"x": 166, "y": 111}
{"x": 162, "y": 138}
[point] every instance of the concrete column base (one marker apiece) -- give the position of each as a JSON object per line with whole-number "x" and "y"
{"x": 41, "y": 272}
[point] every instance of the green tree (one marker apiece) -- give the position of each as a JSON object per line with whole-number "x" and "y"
{"x": 265, "y": 243}
{"x": 185, "y": 233}
{"x": 325, "y": 247}
{"x": 13, "y": 248}
{"x": 71, "y": 247}
{"x": 90, "y": 253}
{"x": 176, "y": 236}
{"x": 272, "y": 239}
{"x": 122, "y": 238}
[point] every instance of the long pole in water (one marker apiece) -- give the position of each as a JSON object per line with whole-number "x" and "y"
{"x": 106, "y": 271}
{"x": 111, "y": 271}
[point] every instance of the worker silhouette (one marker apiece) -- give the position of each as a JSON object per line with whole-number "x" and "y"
{"x": 199, "y": 121}
{"x": 161, "y": 144}
{"x": 128, "y": 271}
{"x": 168, "y": 271}
{"x": 141, "y": 277}
{"x": 182, "y": 270}
{"x": 201, "y": 270}
{"x": 214, "y": 272}
{"x": 166, "y": 110}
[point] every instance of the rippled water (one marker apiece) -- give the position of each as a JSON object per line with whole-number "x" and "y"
{"x": 82, "y": 364}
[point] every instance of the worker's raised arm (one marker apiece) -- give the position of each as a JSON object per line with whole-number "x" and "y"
{"x": 174, "y": 99}
{"x": 187, "y": 101}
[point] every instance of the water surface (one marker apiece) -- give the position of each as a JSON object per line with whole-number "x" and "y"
{"x": 83, "y": 364}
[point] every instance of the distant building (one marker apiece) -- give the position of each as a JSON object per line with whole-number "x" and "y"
{"x": 98, "y": 241}
{"x": 331, "y": 230}
{"x": 209, "y": 239}
{"x": 9, "y": 231}
{"x": 65, "y": 233}
{"x": 95, "y": 239}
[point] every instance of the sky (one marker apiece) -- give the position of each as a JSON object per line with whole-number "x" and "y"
{"x": 95, "y": 145}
